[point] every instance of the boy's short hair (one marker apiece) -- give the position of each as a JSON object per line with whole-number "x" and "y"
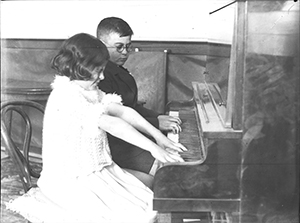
{"x": 79, "y": 56}
{"x": 113, "y": 25}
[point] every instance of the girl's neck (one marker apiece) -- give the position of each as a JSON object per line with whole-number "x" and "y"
{"x": 87, "y": 85}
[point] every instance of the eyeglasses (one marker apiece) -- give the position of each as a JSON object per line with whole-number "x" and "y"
{"x": 120, "y": 48}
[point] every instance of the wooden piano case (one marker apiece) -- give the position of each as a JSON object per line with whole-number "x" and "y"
{"x": 251, "y": 169}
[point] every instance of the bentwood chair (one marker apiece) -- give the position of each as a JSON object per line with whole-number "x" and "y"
{"x": 18, "y": 120}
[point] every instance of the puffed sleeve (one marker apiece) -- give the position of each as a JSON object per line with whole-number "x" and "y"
{"x": 110, "y": 98}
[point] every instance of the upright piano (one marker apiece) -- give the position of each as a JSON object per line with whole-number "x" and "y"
{"x": 206, "y": 187}
{"x": 242, "y": 161}
{"x": 207, "y": 184}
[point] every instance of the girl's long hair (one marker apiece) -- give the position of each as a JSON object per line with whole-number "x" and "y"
{"x": 79, "y": 56}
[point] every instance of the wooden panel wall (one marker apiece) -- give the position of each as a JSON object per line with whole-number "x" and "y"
{"x": 163, "y": 70}
{"x": 26, "y": 63}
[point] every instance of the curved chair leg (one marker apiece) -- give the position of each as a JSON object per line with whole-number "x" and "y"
{"x": 19, "y": 149}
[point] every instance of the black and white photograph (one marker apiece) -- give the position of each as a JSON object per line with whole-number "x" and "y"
{"x": 150, "y": 111}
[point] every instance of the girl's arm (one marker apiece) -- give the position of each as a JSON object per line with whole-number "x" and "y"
{"x": 123, "y": 130}
{"x": 137, "y": 121}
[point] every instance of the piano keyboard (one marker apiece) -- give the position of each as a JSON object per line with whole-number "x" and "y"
{"x": 189, "y": 137}
{"x": 173, "y": 136}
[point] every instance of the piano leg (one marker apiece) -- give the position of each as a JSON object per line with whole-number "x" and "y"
{"x": 200, "y": 217}
{"x": 164, "y": 218}
{"x": 224, "y": 217}
{"x": 182, "y": 217}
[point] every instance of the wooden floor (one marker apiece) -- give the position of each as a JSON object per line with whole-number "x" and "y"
{"x": 11, "y": 187}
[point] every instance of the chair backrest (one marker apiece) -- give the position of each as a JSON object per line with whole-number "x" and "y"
{"x": 20, "y": 151}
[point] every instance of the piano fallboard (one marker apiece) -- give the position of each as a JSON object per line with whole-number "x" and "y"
{"x": 210, "y": 115}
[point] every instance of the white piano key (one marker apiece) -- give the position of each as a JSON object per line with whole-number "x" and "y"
{"x": 173, "y": 136}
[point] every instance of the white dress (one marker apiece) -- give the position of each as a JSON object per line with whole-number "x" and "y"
{"x": 79, "y": 181}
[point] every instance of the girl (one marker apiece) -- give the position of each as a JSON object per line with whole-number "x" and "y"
{"x": 79, "y": 181}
